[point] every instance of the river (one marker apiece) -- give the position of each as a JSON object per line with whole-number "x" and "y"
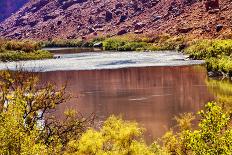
{"x": 150, "y": 88}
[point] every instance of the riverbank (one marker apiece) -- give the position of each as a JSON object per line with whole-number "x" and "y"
{"x": 215, "y": 52}
{"x": 22, "y": 50}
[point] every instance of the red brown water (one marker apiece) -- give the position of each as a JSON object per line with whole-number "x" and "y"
{"x": 152, "y": 96}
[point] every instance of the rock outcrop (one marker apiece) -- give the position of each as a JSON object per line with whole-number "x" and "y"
{"x": 48, "y": 19}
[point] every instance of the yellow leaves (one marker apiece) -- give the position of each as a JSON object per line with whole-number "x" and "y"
{"x": 120, "y": 131}
{"x": 117, "y": 137}
{"x": 91, "y": 142}
{"x": 70, "y": 113}
{"x": 184, "y": 121}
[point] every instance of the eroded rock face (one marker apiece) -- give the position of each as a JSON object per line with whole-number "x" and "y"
{"x": 49, "y": 19}
{"x": 7, "y": 7}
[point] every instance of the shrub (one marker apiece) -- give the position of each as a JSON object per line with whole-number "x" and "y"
{"x": 217, "y": 54}
{"x": 172, "y": 43}
{"x": 26, "y": 46}
{"x": 203, "y": 49}
{"x": 113, "y": 44}
{"x": 115, "y": 137}
{"x": 133, "y": 46}
{"x": 20, "y": 55}
{"x": 63, "y": 43}
{"x": 223, "y": 64}
{"x": 214, "y": 135}
{"x": 23, "y": 126}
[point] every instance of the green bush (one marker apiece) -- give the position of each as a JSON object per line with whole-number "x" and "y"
{"x": 63, "y": 43}
{"x": 113, "y": 44}
{"x": 216, "y": 53}
{"x": 26, "y": 46}
{"x": 214, "y": 135}
{"x": 223, "y": 64}
{"x": 203, "y": 49}
{"x": 134, "y": 46}
{"x": 124, "y": 45}
{"x": 20, "y": 55}
{"x": 12, "y": 50}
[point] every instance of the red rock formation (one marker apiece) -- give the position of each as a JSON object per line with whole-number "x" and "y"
{"x": 68, "y": 19}
{"x": 211, "y": 4}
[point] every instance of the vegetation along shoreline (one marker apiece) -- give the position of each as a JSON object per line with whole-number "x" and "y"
{"x": 216, "y": 52}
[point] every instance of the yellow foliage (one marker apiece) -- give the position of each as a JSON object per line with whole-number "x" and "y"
{"x": 117, "y": 137}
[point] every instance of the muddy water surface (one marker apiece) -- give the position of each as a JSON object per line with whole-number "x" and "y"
{"x": 152, "y": 96}
{"x": 148, "y": 87}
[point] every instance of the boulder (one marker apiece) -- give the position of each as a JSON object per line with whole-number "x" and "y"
{"x": 122, "y": 31}
{"x": 139, "y": 25}
{"x": 118, "y": 12}
{"x": 156, "y": 18}
{"x": 138, "y": 31}
{"x": 48, "y": 17}
{"x": 219, "y": 27}
{"x": 109, "y": 16}
{"x": 123, "y": 18}
{"x": 73, "y": 36}
{"x": 91, "y": 30}
{"x": 99, "y": 29}
{"x": 184, "y": 30}
{"x": 118, "y": 5}
{"x": 213, "y": 11}
{"x": 33, "y": 23}
{"x": 98, "y": 45}
{"x": 59, "y": 22}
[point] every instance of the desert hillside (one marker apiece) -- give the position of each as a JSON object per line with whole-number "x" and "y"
{"x": 68, "y": 19}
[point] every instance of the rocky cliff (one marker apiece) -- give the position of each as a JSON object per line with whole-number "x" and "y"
{"x": 47, "y": 19}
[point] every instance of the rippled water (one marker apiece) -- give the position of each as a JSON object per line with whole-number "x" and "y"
{"x": 152, "y": 96}
{"x": 103, "y": 60}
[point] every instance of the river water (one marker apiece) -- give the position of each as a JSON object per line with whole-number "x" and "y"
{"x": 150, "y": 88}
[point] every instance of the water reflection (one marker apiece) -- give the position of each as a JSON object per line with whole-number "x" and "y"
{"x": 222, "y": 90}
{"x": 149, "y": 95}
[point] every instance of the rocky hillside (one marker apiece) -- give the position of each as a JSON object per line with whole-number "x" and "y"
{"x": 7, "y": 7}
{"x": 47, "y": 19}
